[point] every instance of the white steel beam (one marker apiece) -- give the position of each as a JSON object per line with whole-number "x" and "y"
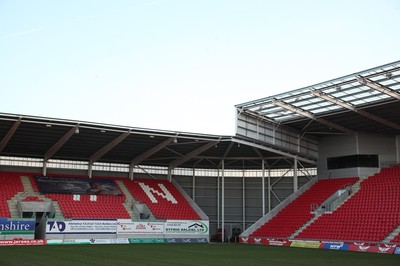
{"x": 378, "y": 87}
{"x": 265, "y": 148}
{"x": 310, "y": 115}
{"x": 349, "y": 106}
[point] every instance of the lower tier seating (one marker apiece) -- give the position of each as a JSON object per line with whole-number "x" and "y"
{"x": 370, "y": 215}
{"x": 163, "y": 199}
{"x": 90, "y": 206}
{"x": 298, "y": 212}
{"x": 10, "y": 184}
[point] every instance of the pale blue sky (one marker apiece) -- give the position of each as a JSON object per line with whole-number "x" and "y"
{"x": 177, "y": 64}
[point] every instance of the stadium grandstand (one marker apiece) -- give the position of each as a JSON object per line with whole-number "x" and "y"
{"x": 320, "y": 163}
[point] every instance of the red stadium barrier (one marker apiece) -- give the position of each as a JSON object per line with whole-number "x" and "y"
{"x": 23, "y": 242}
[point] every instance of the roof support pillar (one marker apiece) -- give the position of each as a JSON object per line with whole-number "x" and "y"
{"x": 295, "y": 180}
{"x": 218, "y": 200}
{"x": 90, "y": 170}
{"x": 223, "y": 199}
{"x": 243, "y": 200}
{"x": 130, "y": 172}
{"x": 398, "y": 148}
{"x": 44, "y": 169}
{"x": 194, "y": 184}
{"x": 269, "y": 190}
{"x": 169, "y": 175}
{"x": 263, "y": 186}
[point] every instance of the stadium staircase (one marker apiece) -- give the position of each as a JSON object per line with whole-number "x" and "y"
{"x": 130, "y": 203}
{"x": 319, "y": 212}
{"x": 162, "y": 198}
{"x": 394, "y": 236}
{"x": 372, "y": 214}
{"x": 10, "y": 185}
{"x": 299, "y": 212}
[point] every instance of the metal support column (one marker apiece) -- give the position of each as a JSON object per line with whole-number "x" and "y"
{"x": 263, "y": 187}
{"x": 218, "y": 201}
{"x": 194, "y": 185}
{"x": 295, "y": 181}
{"x": 223, "y": 200}
{"x": 131, "y": 172}
{"x": 44, "y": 170}
{"x": 269, "y": 190}
{"x": 169, "y": 175}
{"x": 398, "y": 148}
{"x": 244, "y": 201}
{"x": 90, "y": 170}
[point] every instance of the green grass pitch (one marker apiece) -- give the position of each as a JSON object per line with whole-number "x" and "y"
{"x": 185, "y": 254}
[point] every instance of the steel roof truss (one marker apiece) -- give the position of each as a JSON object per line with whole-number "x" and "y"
{"x": 305, "y": 113}
{"x": 53, "y": 150}
{"x": 147, "y": 154}
{"x": 349, "y": 106}
{"x": 379, "y": 87}
{"x": 108, "y": 147}
{"x": 9, "y": 134}
{"x": 192, "y": 154}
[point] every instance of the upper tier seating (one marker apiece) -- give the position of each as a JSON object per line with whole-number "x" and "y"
{"x": 370, "y": 215}
{"x": 89, "y": 206}
{"x": 162, "y": 198}
{"x": 82, "y": 207}
{"x": 298, "y": 212}
{"x": 10, "y": 184}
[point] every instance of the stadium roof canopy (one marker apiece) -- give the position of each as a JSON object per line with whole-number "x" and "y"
{"x": 48, "y": 138}
{"x": 367, "y": 101}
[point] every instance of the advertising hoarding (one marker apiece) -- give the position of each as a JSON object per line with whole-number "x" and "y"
{"x": 82, "y": 227}
{"x": 74, "y": 185}
{"x": 182, "y": 227}
{"x": 127, "y": 226}
{"x": 16, "y": 227}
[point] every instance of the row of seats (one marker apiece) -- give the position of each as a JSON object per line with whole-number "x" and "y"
{"x": 370, "y": 215}
{"x": 10, "y": 184}
{"x": 162, "y": 198}
{"x": 86, "y": 208}
{"x": 170, "y": 204}
{"x": 298, "y": 212}
{"x": 32, "y": 198}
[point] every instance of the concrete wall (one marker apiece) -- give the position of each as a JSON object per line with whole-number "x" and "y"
{"x": 236, "y": 214}
{"x": 361, "y": 143}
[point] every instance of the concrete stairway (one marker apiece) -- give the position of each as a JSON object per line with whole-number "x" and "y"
{"x": 29, "y": 191}
{"x": 392, "y": 235}
{"x": 131, "y": 201}
{"x": 304, "y": 226}
{"x": 354, "y": 188}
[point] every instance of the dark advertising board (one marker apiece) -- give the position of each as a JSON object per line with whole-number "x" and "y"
{"x": 336, "y": 246}
{"x": 16, "y": 227}
{"x": 73, "y": 185}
